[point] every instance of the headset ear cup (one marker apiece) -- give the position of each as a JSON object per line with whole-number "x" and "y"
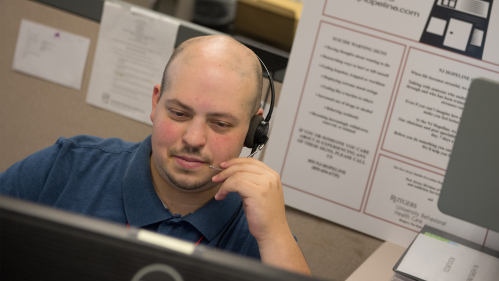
{"x": 250, "y": 136}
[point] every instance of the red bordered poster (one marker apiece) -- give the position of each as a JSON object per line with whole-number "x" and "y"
{"x": 370, "y": 106}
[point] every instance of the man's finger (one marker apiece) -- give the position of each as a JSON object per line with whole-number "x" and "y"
{"x": 240, "y": 166}
{"x": 246, "y": 185}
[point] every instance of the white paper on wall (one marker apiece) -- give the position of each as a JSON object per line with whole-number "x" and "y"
{"x": 51, "y": 54}
{"x": 133, "y": 48}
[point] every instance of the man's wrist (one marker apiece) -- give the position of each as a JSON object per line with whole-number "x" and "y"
{"x": 277, "y": 241}
{"x": 275, "y": 234}
{"x": 282, "y": 251}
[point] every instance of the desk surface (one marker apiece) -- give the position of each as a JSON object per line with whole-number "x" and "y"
{"x": 379, "y": 266}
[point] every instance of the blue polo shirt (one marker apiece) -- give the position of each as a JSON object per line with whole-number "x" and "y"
{"x": 111, "y": 179}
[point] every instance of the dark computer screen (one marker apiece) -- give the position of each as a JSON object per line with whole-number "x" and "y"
{"x": 42, "y": 243}
{"x": 470, "y": 190}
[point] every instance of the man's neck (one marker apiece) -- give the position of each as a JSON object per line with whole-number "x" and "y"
{"x": 178, "y": 202}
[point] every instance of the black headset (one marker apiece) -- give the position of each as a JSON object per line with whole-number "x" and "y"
{"x": 256, "y": 138}
{"x": 258, "y": 130}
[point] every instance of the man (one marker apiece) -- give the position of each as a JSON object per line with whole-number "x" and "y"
{"x": 210, "y": 91}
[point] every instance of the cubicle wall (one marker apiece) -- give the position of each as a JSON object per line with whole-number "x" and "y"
{"x": 34, "y": 113}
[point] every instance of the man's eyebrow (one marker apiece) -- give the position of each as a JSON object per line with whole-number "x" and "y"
{"x": 178, "y": 103}
{"x": 233, "y": 118}
{"x": 225, "y": 115}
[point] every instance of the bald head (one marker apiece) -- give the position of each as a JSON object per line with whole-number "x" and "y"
{"x": 225, "y": 50}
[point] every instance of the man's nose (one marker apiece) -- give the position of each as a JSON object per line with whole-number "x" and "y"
{"x": 195, "y": 136}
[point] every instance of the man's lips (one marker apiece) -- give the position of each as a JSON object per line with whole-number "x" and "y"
{"x": 190, "y": 159}
{"x": 189, "y": 162}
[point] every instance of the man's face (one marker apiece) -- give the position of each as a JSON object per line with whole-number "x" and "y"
{"x": 200, "y": 120}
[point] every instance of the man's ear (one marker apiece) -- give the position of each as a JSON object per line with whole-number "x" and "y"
{"x": 259, "y": 112}
{"x": 156, "y": 95}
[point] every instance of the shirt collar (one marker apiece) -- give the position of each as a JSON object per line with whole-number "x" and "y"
{"x": 143, "y": 206}
{"x": 214, "y": 216}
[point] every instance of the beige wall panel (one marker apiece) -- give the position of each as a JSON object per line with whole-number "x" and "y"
{"x": 35, "y": 112}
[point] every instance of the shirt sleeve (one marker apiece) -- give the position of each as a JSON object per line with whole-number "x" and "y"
{"x": 26, "y": 178}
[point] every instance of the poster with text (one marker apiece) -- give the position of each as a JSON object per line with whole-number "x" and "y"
{"x": 370, "y": 107}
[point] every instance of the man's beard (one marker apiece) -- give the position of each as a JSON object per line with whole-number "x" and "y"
{"x": 184, "y": 184}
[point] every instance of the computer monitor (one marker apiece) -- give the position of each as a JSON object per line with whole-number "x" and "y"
{"x": 42, "y": 243}
{"x": 470, "y": 190}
